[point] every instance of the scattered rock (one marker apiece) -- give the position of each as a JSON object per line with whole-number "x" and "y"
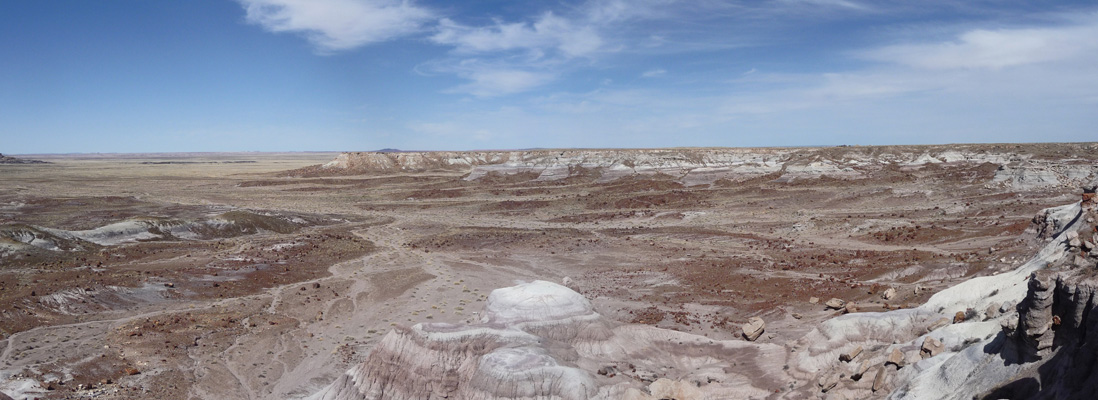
{"x": 959, "y": 317}
{"x": 850, "y": 355}
{"x": 858, "y": 373}
{"x": 131, "y": 371}
{"x": 888, "y": 294}
{"x": 169, "y": 284}
{"x": 828, "y": 381}
{"x": 609, "y": 371}
{"x": 931, "y": 347}
{"x": 850, "y": 308}
{"x": 835, "y": 304}
{"x": 753, "y": 328}
{"x": 1073, "y": 239}
{"x": 880, "y": 380}
{"x": 813, "y": 300}
{"x": 992, "y": 310}
{"x": 937, "y": 324}
{"x": 896, "y": 357}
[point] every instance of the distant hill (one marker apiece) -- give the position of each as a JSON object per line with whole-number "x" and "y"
{"x": 12, "y": 160}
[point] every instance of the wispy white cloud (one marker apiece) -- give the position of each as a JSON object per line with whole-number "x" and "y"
{"x": 516, "y": 56}
{"x": 654, "y": 73}
{"x": 548, "y": 33}
{"x": 1017, "y": 95}
{"x": 339, "y": 24}
{"x": 847, "y": 4}
{"x": 487, "y": 80}
{"x": 995, "y": 49}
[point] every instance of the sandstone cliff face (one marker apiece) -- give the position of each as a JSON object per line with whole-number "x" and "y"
{"x": 693, "y": 166}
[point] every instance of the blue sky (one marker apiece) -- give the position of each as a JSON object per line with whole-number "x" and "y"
{"x": 308, "y": 75}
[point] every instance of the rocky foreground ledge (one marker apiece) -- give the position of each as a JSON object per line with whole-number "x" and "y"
{"x": 1019, "y": 334}
{"x": 1025, "y": 167}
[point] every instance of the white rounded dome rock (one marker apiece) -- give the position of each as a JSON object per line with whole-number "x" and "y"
{"x": 537, "y": 301}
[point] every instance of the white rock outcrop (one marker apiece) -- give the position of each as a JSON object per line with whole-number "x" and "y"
{"x": 543, "y": 340}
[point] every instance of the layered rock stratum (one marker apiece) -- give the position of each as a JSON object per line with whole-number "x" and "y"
{"x": 692, "y": 166}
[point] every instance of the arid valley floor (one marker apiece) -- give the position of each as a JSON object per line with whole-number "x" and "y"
{"x": 256, "y": 275}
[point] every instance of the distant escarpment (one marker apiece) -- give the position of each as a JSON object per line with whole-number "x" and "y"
{"x": 12, "y": 160}
{"x": 1023, "y": 167}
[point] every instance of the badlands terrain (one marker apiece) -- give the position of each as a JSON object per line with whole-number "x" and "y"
{"x": 953, "y": 271}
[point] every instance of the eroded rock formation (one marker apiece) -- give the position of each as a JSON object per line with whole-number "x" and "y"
{"x": 704, "y": 166}
{"x": 543, "y": 340}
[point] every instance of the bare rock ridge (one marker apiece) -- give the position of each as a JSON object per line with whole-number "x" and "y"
{"x": 706, "y": 165}
{"x": 12, "y": 160}
{"x": 1018, "y": 334}
{"x": 28, "y": 238}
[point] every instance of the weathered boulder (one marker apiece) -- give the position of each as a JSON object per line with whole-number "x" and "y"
{"x": 959, "y": 317}
{"x": 992, "y": 310}
{"x": 937, "y": 324}
{"x": 850, "y": 355}
{"x": 862, "y": 369}
{"x": 888, "y": 294}
{"x": 753, "y": 328}
{"x": 880, "y": 379}
{"x": 828, "y": 381}
{"x": 850, "y": 307}
{"x": 896, "y": 357}
{"x": 835, "y": 304}
{"x": 931, "y": 347}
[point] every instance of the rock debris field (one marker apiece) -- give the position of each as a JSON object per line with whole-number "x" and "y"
{"x": 908, "y": 272}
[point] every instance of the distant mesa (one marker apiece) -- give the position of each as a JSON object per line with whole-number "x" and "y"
{"x": 12, "y": 160}
{"x": 1034, "y": 167}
